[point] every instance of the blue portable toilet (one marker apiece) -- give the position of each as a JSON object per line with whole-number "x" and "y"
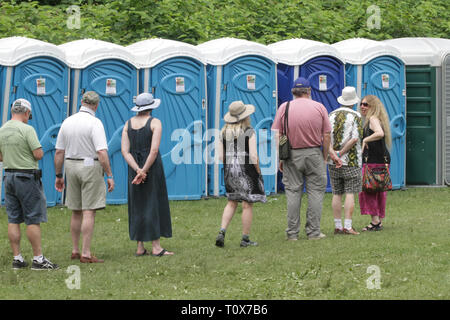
{"x": 377, "y": 68}
{"x": 241, "y": 70}
{"x": 175, "y": 72}
{"x": 110, "y": 70}
{"x": 37, "y": 71}
{"x": 318, "y": 62}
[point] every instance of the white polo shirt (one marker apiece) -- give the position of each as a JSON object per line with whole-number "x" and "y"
{"x": 82, "y": 135}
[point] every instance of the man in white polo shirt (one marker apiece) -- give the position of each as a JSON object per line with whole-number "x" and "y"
{"x": 81, "y": 145}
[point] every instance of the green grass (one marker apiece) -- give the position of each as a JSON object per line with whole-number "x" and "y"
{"x": 412, "y": 253}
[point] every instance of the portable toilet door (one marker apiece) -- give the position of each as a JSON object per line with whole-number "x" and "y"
{"x": 424, "y": 61}
{"x": 377, "y": 68}
{"x": 37, "y": 71}
{"x": 318, "y": 62}
{"x": 174, "y": 72}
{"x": 246, "y": 71}
{"x": 109, "y": 70}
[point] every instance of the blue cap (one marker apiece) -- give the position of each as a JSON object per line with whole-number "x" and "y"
{"x": 301, "y": 83}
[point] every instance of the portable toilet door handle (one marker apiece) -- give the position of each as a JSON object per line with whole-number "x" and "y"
{"x": 153, "y": 91}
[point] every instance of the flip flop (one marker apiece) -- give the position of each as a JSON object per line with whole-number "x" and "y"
{"x": 145, "y": 253}
{"x": 161, "y": 254}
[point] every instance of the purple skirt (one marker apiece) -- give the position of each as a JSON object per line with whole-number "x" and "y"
{"x": 373, "y": 204}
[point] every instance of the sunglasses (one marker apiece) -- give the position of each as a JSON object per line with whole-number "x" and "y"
{"x": 365, "y": 104}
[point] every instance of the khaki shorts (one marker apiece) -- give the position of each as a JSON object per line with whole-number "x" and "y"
{"x": 85, "y": 186}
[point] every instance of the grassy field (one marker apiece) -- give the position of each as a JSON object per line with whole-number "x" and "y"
{"x": 411, "y": 253}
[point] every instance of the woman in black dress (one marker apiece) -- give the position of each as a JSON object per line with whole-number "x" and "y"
{"x": 148, "y": 202}
{"x": 243, "y": 180}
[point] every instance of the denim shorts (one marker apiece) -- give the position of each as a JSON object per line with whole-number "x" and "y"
{"x": 24, "y": 198}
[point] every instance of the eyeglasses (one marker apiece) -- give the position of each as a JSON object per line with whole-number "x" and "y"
{"x": 365, "y": 104}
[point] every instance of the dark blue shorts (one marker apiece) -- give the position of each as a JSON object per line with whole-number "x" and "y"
{"x": 24, "y": 198}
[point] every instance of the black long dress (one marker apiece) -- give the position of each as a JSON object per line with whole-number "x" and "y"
{"x": 148, "y": 202}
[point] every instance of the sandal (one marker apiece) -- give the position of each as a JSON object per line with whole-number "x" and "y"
{"x": 373, "y": 227}
{"x": 145, "y": 253}
{"x": 162, "y": 253}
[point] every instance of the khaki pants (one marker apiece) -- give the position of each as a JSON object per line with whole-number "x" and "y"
{"x": 305, "y": 167}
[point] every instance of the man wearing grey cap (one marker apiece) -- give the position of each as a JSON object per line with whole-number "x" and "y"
{"x": 20, "y": 151}
{"x": 81, "y": 145}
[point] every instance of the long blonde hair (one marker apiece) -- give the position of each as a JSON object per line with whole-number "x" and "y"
{"x": 231, "y": 131}
{"x": 378, "y": 110}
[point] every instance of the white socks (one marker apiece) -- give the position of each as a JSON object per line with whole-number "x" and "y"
{"x": 18, "y": 258}
{"x": 347, "y": 223}
{"x": 39, "y": 259}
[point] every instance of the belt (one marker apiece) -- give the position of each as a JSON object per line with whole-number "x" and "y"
{"x": 95, "y": 159}
{"x": 36, "y": 172}
{"x": 306, "y": 148}
{"x": 33, "y": 171}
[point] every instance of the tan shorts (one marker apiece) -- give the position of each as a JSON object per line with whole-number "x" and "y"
{"x": 85, "y": 186}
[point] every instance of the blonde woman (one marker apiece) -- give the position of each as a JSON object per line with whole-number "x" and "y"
{"x": 375, "y": 144}
{"x": 242, "y": 174}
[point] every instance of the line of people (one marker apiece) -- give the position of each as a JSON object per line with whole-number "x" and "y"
{"x": 340, "y": 138}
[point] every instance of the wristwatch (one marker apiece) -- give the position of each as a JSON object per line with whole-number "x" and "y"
{"x": 59, "y": 175}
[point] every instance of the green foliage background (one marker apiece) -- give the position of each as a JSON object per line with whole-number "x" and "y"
{"x": 196, "y": 21}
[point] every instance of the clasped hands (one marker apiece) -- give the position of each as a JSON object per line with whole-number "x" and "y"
{"x": 141, "y": 175}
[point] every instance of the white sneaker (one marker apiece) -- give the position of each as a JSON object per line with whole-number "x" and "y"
{"x": 320, "y": 236}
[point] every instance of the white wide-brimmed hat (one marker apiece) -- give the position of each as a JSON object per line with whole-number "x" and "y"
{"x": 238, "y": 111}
{"x": 348, "y": 97}
{"x": 145, "y": 101}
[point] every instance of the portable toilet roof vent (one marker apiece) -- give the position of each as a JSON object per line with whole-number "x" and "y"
{"x": 421, "y": 51}
{"x": 298, "y": 51}
{"x": 221, "y": 51}
{"x": 361, "y": 51}
{"x": 150, "y": 52}
{"x": 82, "y": 53}
{"x": 14, "y": 50}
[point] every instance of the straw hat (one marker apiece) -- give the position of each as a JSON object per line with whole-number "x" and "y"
{"x": 238, "y": 111}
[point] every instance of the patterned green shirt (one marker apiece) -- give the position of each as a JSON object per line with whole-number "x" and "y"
{"x": 347, "y": 124}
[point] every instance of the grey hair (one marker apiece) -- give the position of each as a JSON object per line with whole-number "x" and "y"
{"x": 17, "y": 109}
{"x": 91, "y": 98}
{"x": 298, "y": 92}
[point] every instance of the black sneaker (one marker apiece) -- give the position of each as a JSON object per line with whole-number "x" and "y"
{"x": 220, "y": 240}
{"x": 44, "y": 265}
{"x": 248, "y": 243}
{"x": 17, "y": 264}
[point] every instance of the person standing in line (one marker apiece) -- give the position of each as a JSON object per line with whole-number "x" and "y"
{"x": 376, "y": 142}
{"x": 308, "y": 131}
{"x": 148, "y": 202}
{"x": 243, "y": 181}
{"x": 20, "y": 151}
{"x": 81, "y": 146}
{"x": 345, "y": 177}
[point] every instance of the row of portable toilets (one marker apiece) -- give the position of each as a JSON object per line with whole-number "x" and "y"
{"x": 197, "y": 83}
